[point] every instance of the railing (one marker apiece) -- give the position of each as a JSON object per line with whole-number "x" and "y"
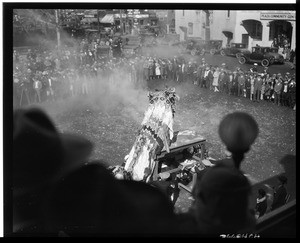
{"x": 278, "y": 223}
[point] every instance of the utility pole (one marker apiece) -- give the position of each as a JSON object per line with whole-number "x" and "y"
{"x": 121, "y": 22}
{"x": 57, "y": 27}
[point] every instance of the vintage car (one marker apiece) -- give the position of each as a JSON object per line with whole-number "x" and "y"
{"x": 259, "y": 55}
{"x": 234, "y": 49}
{"x": 278, "y": 58}
{"x": 211, "y": 46}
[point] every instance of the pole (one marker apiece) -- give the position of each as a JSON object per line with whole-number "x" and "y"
{"x": 57, "y": 28}
{"x": 121, "y": 22}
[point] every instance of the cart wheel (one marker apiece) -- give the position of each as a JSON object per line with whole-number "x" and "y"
{"x": 265, "y": 63}
{"x": 242, "y": 60}
{"x": 222, "y": 52}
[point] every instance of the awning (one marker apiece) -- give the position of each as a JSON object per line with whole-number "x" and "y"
{"x": 89, "y": 20}
{"x": 107, "y": 19}
{"x": 228, "y": 33}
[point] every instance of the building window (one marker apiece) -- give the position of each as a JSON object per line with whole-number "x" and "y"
{"x": 228, "y": 14}
{"x": 190, "y": 28}
{"x": 257, "y": 31}
{"x": 182, "y": 12}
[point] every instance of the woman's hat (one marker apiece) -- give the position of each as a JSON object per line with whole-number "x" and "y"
{"x": 40, "y": 152}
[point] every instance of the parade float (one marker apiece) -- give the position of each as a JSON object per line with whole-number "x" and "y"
{"x": 158, "y": 148}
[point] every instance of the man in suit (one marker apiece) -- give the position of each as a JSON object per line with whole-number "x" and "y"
{"x": 280, "y": 193}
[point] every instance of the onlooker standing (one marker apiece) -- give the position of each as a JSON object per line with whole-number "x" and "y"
{"x": 277, "y": 90}
{"x": 221, "y": 202}
{"x": 235, "y": 83}
{"x": 280, "y": 193}
{"x": 252, "y": 85}
{"x": 241, "y": 85}
{"x": 257, "y": 88}
{"x": 216, "y": 78}
{"x": 230, "y": 82}
{"x": 292, "y": 93}
{"x": 37, "y": 86}
{"x": 248, "y": 86}
{"x": 261, "y": 203}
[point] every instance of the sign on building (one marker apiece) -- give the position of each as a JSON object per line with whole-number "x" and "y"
{"x": 278, "y": 16}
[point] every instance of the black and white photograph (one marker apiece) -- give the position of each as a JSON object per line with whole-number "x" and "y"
{"x": 149, "y": 119}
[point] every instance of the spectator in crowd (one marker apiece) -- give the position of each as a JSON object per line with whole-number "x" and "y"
{"x": 285, "y": 90}
{"x": 216, "y": 77}
{"x": 254, "y": 68}
{"x": 280, "y": 193}
{"x": 267, "y": 91}
{"x": 221, "y": 202}
{"x": 261, "y": 203}
{"x": 42, "y": 155}
{"x": 230, "y": 81}
{"x": 257, "y": 87}
{"x": 277, "y": 90}
{"x": 37, "y": 86}
{"x": 235, "y": 83}
{"x": 207, "y": 77}
{"x": 288, "y": 163}
{"x": 292, "y": 94}
{"x": 89, "y": 201}
{"x": 241, "y": 85}
{"x": 252, "y": 86}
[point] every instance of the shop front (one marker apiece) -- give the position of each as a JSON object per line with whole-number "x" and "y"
{"x": 272, "y": 28}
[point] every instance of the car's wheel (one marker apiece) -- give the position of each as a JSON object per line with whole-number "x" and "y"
{"x": 193, "y": 52}
{"x": 242, "y": 60}
{"x": 222, "y": 52}
{"x": 212, "y": 51}
{"x": 265, "y": 62}
{"x": 238, "y": 55}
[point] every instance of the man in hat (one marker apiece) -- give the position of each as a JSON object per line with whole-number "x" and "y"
{"x": 241, "y": 84}
{"x": 207, "y": 78}
{"x": 292, "y": 93}
{"x": 254, "y": 68}
{"x": 42, "y": 156}
{"x": 278, "y": 89}
{"x": 285, "y": 90}
{"x": 222, "y": 202}
{"x": 280, "y": 193}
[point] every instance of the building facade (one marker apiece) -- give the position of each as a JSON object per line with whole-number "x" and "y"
{"x": 253, "y": 27}
{"x": 192, "y": 24}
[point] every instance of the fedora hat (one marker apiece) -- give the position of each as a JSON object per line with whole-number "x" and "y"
{"x": 40, "y": 152}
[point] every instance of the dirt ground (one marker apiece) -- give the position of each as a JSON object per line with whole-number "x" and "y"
{"x": 113, "y": 125}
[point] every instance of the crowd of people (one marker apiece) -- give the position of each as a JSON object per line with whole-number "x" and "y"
{"x": 284, "y": 45}
{"x": 52, "y": 75}
{"x": 66, "y": 194}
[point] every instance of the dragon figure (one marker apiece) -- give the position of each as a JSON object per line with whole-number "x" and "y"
{"x": 156, "y": 133}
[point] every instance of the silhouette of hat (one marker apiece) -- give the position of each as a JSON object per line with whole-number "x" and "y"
{"x": 40, "y": 152}
{"x": 282, "y": 179}
{"x": 224, "y": 180}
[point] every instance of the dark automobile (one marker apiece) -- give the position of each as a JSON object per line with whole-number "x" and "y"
{"x": 278, "y": 58}
{"x": 234, "y": 49}
{"x": 259, "y": 55}
{"x": 211, "y": 46}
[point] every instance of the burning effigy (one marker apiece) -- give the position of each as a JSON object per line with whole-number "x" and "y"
{"x": 155, "y": 134}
